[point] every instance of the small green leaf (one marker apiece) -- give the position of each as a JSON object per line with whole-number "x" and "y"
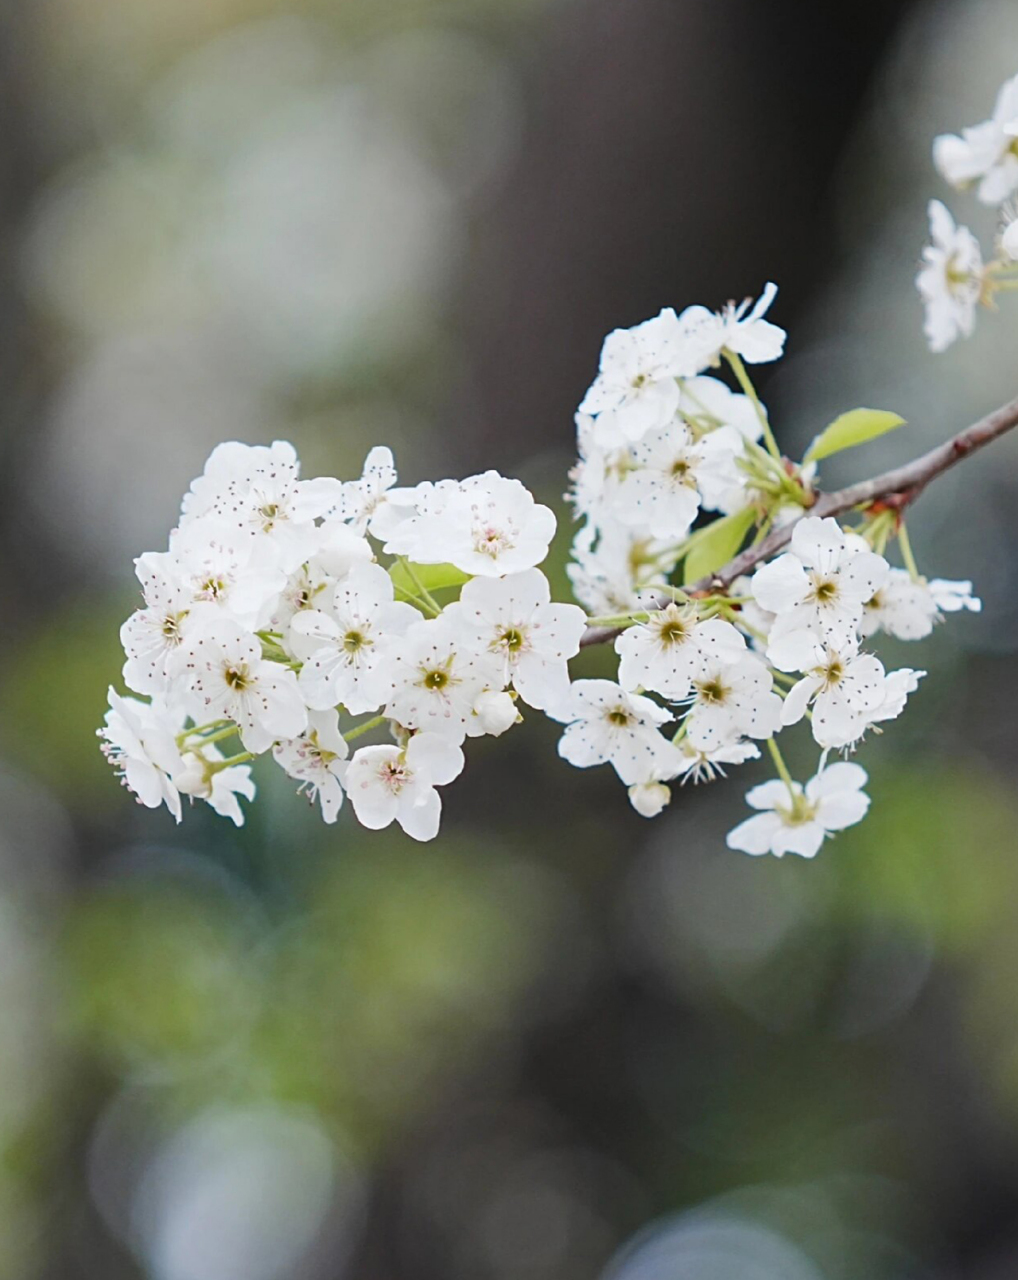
{"x": 432, "y": 577}
{"x": 852, "y": 428}
{"x": 718, "y": 543}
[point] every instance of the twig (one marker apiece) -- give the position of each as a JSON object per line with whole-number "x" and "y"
{"x": 896, "y": 489}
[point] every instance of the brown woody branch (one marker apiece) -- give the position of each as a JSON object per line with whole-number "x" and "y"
{"x": 896, "y": 489}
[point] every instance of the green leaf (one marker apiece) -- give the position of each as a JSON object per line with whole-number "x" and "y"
{"x": 432, "y": 577}
{"x": 717, "y": 544}
{"x": 852, "y": 428}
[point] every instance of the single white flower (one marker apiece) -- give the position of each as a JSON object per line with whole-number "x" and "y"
{"x": 513, "y": 619}
{"x": 364, "y": 503}
{"x": 986, "y": 153}
{"x": 950, "y": 282}
{"x": 153, "y": 637}
{"x": 821, "y": 584}
{"x": 605, "y": 724}
{"x": 607, "y": 563}
{"x": 903, "y": 607}
{"x": 139, "y": 741}
{"x": 343, "y": 644}
{"x": 732, "y": 700}
{"x": 338, "y": 551}
{"x": 315, "y": 759}
{"x": 845, "y": 686}
{"x": 432, "y": 679}
{"x": 799, "y": 821}
{"x": 257, "y": 491}
{"x": 226, "y": 670}
{"x": 635, "y": 391}
{"x": 669, "y": 474}
{"x": 223, "y": 569}
{"x": 387, "y": 784}
{"x": 486, "y": 525}
{"x": 737, "y": 328}
{"x": 670, "y": 649}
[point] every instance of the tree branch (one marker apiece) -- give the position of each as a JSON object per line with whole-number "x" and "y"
{"x": 896, "y": 489}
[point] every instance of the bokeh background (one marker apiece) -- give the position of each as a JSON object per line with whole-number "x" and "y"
{"x": 560, "y": 1042}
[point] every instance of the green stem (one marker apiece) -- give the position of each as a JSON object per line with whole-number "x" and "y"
{"x": 363, "y": 727}
{"x": 228, "y": 732}
{"x": 905, "y": 547}
{"x": 219, "y": 765}
{"x": 782, "y": 768}
{"x": 425, "y": 595}
{"x": 618, "y": 620}
{"x": 744, "y": 381}
{"x": 199, "y": 729}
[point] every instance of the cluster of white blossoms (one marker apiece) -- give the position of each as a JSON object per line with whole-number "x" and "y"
{"x": 289, "y": 617}
{"x": 954, "y": 279}
{"x": 269, "y": 624}
{"x": 661, "y": 441}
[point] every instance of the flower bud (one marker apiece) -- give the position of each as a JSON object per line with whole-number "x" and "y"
{"x": 495, "y": 712}
{"x": 649, "y": 798}
{"x": 191, "y": 779}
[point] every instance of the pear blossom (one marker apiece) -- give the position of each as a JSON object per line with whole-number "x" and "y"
{"x": 343, "y": 644}
{"x": 606, "y": 564}
{"x": 904, "y": 607}
{"x": 486, "y": 525}
{"x": 732, "y": 700}
{"x": 432, "y": 679}
{"x": 513, "y": 619}
{"x": 316, "y": 759}
{"x": 950, "y": 282}
{"x": 820, "y": 584}
{"x": 797, "y": 819}
{"x": 845, "y": 686}
{"x": 256, "y": 490}
{"x": 605, "y": 724}
{"x": 220, "y": 567}
{"x": 364, "y": 503}
{"x": 635, "y": 390}
{"x": 670, "y": 649}
{"x": 670, "y": 473}
{"x": 139, "y": 740}
{"x": 152, "y": 637}
{"x": 389, "y": 783}
{"x": 985, "y": 153}
{"x": 226, "y": 670}
{"x": 493, "y": 713}
{"x": 737, "y": 328}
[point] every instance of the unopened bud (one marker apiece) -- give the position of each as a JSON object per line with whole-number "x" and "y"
{"x": 495, "y": 712}
{"x": 649, "y": 798}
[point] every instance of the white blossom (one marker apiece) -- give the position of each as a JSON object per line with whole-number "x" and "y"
{"x": 364, "y": 503}
{"x": 513, "y": 619}
{"x": 153, "y": 637}
{"x": 605, "y": 724}
{"x": 732, "y": 700}
{"x": 486, "y": 525}
{"x": 707, "y": 402}
{"x": 635, "y": 390}
{"x": 739, "y": 328}
{"x": 256, "y": 490}
{"x": 986, "y": 153}
{"x": 845, "y": 686}
{"x": 226, "y": 670}
{"x": 222, "y": 569}
{"x": 820, "y": 584}
{"x": 668, "y": 651}
{"x": 705, "y": 766}
{"x": 798, "y": 821}
{"x": 1009, "y": 239}
{"x": 344, "y": 645}
{"x": 315, "y": 759}
{"x": 387, "y": 783}
{"x": 649, "y": 798}
{"x": 433, "y": 679}
{"x": 493, "y": 713}
{"x": 950, "y": 282}
{"x": 904, "y": 607}
{"x": 950, "y": 597}
{"x": 139, "y": 740}
{"x": 204, "y": 777}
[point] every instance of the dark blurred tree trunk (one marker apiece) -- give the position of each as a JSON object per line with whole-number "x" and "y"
{"x": 714, "y": 130}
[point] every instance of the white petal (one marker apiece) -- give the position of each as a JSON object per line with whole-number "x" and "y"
{"x": 755, "y": 835}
